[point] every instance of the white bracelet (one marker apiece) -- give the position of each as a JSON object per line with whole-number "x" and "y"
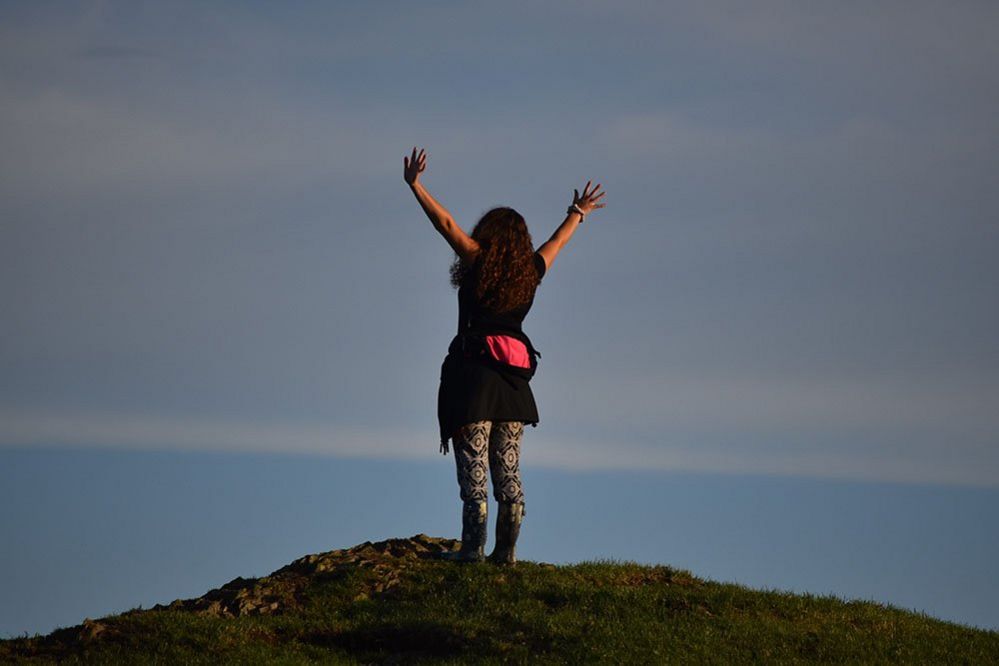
{"x": 576, "y": 209}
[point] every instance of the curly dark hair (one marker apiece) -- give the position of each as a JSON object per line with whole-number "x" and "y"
{"x": 503, "y": 274}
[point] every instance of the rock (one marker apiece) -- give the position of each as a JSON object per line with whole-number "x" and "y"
{"x": 90, "y": 630}
{"x": 283, "y": 589}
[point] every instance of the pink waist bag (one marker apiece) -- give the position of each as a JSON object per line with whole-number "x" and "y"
{"x": 508, "y": 350}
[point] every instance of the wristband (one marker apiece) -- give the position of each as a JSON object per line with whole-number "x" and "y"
{"x": 576, "y": 209}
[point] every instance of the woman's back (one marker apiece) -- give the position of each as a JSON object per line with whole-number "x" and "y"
{"x": 473, "y": 315}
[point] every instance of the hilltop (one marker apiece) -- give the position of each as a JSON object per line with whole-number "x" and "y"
{"x": 394, "y": 601}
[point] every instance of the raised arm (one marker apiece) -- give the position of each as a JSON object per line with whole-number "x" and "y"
{"x": 582, "y": 205}
{"x": 463, "y": 244}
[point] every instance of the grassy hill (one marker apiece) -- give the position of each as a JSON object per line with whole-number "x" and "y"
{"x": 393, "y": 601}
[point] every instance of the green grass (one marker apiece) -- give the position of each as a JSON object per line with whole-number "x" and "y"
{"x": 606, "y": 611}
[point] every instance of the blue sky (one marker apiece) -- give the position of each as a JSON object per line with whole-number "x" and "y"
{"x": 207, "y": 245}
{"x": 97, "y": 531}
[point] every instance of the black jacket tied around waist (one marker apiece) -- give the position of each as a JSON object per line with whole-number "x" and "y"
{"x": 476, "y": 386}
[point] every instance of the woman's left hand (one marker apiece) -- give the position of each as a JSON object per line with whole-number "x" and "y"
{"x": 414, "y": 166}
{"x": 588, "y": 202}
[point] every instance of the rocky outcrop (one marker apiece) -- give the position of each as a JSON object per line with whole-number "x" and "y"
{"x": 283, "y": 590}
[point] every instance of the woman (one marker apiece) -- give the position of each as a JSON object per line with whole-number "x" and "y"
{"x": 485, "y": 398}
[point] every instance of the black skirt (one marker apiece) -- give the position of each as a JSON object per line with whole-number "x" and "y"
{"x": 472, "y": 389}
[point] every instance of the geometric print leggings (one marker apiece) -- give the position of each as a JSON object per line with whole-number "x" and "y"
{"x": 497, "y": 442}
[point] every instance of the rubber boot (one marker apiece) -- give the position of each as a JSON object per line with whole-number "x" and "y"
{"x": 508, "y": 521}
{"x": 473, "y": 533}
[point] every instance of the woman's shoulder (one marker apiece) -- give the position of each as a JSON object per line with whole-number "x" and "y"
{"x": 539, "y": 263}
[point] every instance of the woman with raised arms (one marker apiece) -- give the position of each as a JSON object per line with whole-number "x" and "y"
{"x": 485, "y": 398}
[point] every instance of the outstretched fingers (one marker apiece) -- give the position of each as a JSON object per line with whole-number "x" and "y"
{"x": 589, "y": 193}
{"x": 414, "y": 165}
{"x": 414, "y": 158}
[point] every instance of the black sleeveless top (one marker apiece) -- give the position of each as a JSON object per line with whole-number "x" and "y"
{"x": 472, "y": 389}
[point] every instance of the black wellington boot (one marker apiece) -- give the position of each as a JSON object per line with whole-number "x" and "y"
{"x": 508, "y": 521}
{"x": 473, "y": 533}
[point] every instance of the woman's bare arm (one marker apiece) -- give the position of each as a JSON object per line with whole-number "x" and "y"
{"x": 586, "y": 203}
{"x": 463, "y": 244}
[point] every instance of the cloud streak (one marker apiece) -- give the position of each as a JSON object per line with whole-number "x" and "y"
{"x": 77, "y": 429}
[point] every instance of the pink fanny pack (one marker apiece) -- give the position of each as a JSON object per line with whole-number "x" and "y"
{"x": 506, "y": 349}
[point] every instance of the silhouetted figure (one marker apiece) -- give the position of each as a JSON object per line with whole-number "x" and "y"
{"x": 485, "y": 397}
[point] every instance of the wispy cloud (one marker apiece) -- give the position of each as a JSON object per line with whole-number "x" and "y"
{"x": 150, "y": 432}
{"x": 910, "y": 464}
{"x": 80, "y": 146}
{"x": 739, "y": 402}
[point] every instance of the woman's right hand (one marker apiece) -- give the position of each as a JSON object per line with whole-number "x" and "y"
{"x": 588, "y": 202}
{"x": 414, "y": 166}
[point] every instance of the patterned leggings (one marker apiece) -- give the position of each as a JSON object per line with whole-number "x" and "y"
{"x": 499, "y": 442}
